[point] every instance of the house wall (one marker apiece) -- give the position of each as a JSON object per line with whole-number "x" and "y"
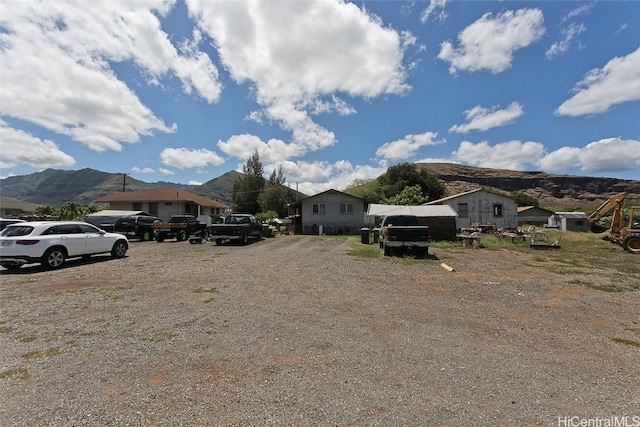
{"x": 481, "y": 210}
{"x": 332, "y": 220}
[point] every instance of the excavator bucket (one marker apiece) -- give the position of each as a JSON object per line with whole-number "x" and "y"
{"x": 597, "y": 228}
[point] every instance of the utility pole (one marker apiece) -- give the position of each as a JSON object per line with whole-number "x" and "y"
{"x": 124, "y": 181}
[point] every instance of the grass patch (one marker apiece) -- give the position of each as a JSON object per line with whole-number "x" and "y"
{"x": 205, "y": 291}
{"x": 626, "y": 341}
{"x": 16, "y": 374}
{"x": 160, "y": 337}
{"x": 5, "y": 329}
{"x": 38, "y": 354}
{"x": 365, "y": 251}
{"x": 26, "y": 338}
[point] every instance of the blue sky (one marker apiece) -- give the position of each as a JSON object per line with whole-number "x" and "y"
{"x": 332, "y": 91}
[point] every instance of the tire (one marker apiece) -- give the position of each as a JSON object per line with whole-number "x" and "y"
{"x": 631, "y": 243}
{"x": 160, "y": 237}
{"x": 245, "y": 239}
{"x": 53, "y": 258}
{"x": 10, "y": 266}
{"x": 145, "y": 235}
{"x": 386, "y": 250}
{"x": 119, "y": 249}
{"x": 182, "y": 236}
{"x": 218, "y": 242}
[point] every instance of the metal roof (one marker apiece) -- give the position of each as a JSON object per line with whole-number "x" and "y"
{"x": 423, "y": 210}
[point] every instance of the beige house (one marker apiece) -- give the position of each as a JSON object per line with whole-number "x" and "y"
{"x": 482, "y": 207}
{"x": 13, "y": 208}
{"x": 164, "y": 202}
{"x": 329, "y": 212}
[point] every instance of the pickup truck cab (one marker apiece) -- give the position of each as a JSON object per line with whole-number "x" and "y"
{"x": 404, "y": 232}
{"x": 237, "y": 227}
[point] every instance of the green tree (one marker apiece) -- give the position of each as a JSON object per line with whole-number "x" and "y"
{"x": 247, "y": 188}
{"x": 403, "y": 175}
{"x": 72, "y": 211}
{"x": 369, "y": 190}
{"x": 523, "y": 199}
{"x": 275, "y": 195}
{"x": 44, "y": 210}
{"x": 408, "y": 196}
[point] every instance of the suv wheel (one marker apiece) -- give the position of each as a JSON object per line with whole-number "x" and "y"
{"x": 119, "y": 249}
{"x": 53, "y": 258}
{"x": 146, "y": 235}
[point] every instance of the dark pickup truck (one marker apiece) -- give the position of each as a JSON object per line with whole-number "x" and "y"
{"x": 404, "y": 232}
{"x": 236, "y": 227}
{"x": 180, "y": 227}
{"x": 140, "y": 226}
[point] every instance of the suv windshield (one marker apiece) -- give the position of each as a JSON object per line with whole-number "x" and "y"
{"x": 17, "y": 230}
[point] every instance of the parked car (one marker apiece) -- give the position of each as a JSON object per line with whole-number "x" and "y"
{"x": 404, "y": 232}
{"x": 52, "y": 242}
{"x": 180, "y": 227}
{"x": 6, "y": 221}
{"x": 237, "y": 227}
{"x": 139, "y": 226}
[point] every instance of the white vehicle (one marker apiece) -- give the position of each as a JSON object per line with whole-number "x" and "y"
{"x": 51, "y": 242}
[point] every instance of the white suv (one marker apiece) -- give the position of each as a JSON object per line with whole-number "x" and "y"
{"x": 51, "y": 242}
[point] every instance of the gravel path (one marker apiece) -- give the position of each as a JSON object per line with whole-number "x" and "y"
{"x": 294, "y": 332}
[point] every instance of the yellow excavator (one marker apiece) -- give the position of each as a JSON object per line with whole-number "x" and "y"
{"x": 626, "y": 234}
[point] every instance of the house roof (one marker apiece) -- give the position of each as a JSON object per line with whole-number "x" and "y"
{"x": 522, "y": 209}
{"x": 115, "y": 212}
{"x": 16, "y": 204}
{"x": 422, "y": 211}
{"x": 306, "y": 199}
{"x": 160, "y": 194}
{"x": 578, "y": 215}
{"x": 455, "y": 196}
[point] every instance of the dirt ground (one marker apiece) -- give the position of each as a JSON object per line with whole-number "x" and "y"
{"x": 295, "y": 331}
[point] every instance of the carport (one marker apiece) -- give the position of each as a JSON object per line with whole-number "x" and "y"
{"x": 440, "y": 218}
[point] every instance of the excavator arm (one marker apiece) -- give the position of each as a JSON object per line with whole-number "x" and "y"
{"x": 617, "y": 221}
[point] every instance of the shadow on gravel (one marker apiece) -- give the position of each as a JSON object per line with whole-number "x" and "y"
{"x": 74, "y": 262}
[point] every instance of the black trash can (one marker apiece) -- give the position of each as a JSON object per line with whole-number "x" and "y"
{"x": 376, "y": 235}
{"x": 364, "y": 235}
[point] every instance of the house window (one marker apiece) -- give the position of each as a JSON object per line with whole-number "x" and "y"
{"x": 319, "y": 209}
{"x": 497, "y": 210}
{"x": 346, "y": 208}
{"x": 168, "y": 203}
{"x": 463, "y": 210}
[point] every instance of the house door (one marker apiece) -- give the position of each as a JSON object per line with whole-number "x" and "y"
{"x": 153, "y": 208}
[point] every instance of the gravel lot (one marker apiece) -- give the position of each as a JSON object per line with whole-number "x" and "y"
{"x": 294, "y": 331}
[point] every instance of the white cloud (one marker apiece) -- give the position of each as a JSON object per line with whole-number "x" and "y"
{"x": 70, "y": 87}
{"x": 407, "y": 146}
{"x": 482, "y": 118}
{"x": 512, "y": 155}
{"x": 19, "y": 147}
{"x": 329, "y": 47}
{"x": 142, "y": 170}
{"x": 617, "y": 82}
{"x": 583, "y": 9}
{"x": 243, "y": 146}
{"x": 435, "y": 8}
{"x": 182, "y": 158}
{"x": 165, "y": 171}
{"x": 315, "y": 177}
{"x": 605, "y": 155}
{"x": 489, "y": 43}
{"x": 569, "y": 34}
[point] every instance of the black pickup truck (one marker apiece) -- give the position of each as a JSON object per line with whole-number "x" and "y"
{"x": 140, "y": 226}
{"x": 180, "y": 227}
{"x": 237, "y": 227}
{"x": 404, "y": 232}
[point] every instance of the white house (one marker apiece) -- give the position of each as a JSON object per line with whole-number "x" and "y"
{"x": 482, "y": 207}
{"x": 329, "y": 212}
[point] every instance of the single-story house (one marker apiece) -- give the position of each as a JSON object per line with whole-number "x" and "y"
{"x": 482, "y": 207}
{"x": 533, "y": 215}
{"x": 441, "y": 219}
{"x": 164, "y": 202}
{"x": 568, "y": 221}
{"x": 13, "y": 208}
{"x": 329, "y": 212}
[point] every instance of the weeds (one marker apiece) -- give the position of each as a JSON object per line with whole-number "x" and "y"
{"x": 16, "y": 373}
{"x": 626, "y": 341}
{"x": 38, "y": 354}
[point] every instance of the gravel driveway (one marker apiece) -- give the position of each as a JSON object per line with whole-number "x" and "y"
{"x": 294, "y": 331}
